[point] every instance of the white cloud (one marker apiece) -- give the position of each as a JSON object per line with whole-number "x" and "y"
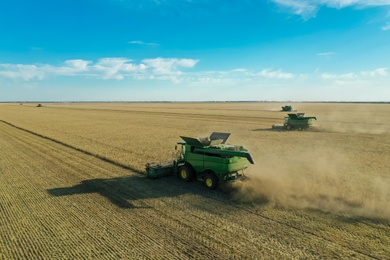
{"x": 70, "y": 68}
{"x": 187, "y": 63}
{"x": 376, "y": 73}
{"x": 239, "y": 70}
{"x": 379, "y": 72}
{"x": 275, "y": 74}
{"x": 136, "y": 42}
{"x": 306, "y": 9}
{"x": 169, "y": 66}
{"x": 106, "y": 68}
{"x": 309, "y": 8}
{"x": 172, "y": 78}
{"x": 328, "y": 76}
{"x": 116, "y": 68}
{"x": 326, "y": 54}
{"x": 345, "y": 3}
{"x": 21, "y": 71}
{"x": 172, "y": 70}
{"x": 78, "y": 65}
{"x": 143, "y": 43}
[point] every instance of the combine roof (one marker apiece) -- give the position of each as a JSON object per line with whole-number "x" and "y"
{"x": 215, "y": 138}
{"x": 299, "y": 116}
{"x": 216, "y": 144}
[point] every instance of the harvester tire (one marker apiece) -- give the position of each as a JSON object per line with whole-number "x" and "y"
{"x": 288, "y": 127}
{"x": 211, "y": 181}
{"x": 300, "y": 128}
{"x": 186, "y": 173}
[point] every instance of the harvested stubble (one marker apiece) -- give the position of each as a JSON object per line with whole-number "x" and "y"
{"x": 59, "y": 199}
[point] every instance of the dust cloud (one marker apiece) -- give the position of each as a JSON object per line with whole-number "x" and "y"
{"x": 364, "y": 118}
{"x": 373, "y": 127}
{"x": 323, "y": 179}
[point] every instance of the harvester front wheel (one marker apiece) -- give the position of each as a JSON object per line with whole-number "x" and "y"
{"x": 211, "y": 181}
{"x": 186, "y": 173}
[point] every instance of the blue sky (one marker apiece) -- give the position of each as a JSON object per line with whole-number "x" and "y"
{"x": 195, "y": 50}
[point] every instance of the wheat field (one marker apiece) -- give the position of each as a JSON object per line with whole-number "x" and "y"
{"x": 72, "y": 183}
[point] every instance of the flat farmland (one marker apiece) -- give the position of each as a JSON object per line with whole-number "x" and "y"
{"x": 72, "y": 183}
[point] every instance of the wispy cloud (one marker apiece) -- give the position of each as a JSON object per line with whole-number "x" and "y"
{"x": 379, "y": 72}
{"x": 309, "y": 8}
{"x": 179, "y": 71}
{"x": 106, "y": 68}
{"x": 303, "y": 8}
{"x": 115, "y": 68}
{"x": 328, "y": 76}
{"x": 386, "y": 27}
{"x": 143, "y": 43}
{"x": 375, "y": 73}
{"x": 69, "y": 68}
{"x": 275, "y": 74}
{"x": 325, "y": 54}
{"x": 169, "y": 66}
{"x": 345, "y": 3}
{"x": 21, "y": 71}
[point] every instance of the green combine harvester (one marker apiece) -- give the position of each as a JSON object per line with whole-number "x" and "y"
{"x": 208, "y": 159}
{"x": 287, "y": 108}
{"x": 297, "y": 121}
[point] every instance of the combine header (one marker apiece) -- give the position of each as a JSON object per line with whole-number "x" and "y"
{"x": 208, "y": 159}
{"x": 296, "y": 121}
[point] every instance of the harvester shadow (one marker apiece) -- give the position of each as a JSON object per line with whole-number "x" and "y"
{"x": 263, "y": 129}
{"x": 268, "y": 130}
{"x": 121, "y": 191}
{"x": 314, "y": 129}
{"x": 132, "y": 192}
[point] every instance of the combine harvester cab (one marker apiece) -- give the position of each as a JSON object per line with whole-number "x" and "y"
{"x": 298, "y": 121}
{"x": 208, "y": 159}
{"x": 287, "y": 108}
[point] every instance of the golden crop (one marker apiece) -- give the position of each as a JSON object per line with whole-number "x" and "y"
{"x": 71, "y": 183}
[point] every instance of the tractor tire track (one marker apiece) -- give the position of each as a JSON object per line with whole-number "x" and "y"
{"x": 82, "y": 218}
{"x": 172, "y": 213}
{"x": 208, "y": 116}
